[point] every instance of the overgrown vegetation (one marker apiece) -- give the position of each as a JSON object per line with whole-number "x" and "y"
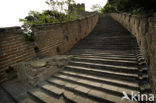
{"x": 142, "y": 7}
{"x": 57, "y": 13}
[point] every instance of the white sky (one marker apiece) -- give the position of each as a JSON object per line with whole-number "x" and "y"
{"x": 12, "y": 10}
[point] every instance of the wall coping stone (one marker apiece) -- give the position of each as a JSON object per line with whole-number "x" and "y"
{"x": 152, "y": 19}
{"x": 49, "y": 24}
{"x": 6, "y": 30}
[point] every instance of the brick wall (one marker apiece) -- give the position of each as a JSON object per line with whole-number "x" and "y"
{"x": 50, "y": 39}
{"x": 13, "y": 49}
{"x": 144, "y": 29}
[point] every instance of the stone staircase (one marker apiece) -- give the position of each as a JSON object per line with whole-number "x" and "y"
{"x": 105, "y": 64}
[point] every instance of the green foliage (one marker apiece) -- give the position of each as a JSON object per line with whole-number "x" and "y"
{"x": 29, "y": 37}
{"x": 108, "y": 8}
{"x": 57, "y": 14}
{"x": 46, "y": 16}
{"x": 132, "y": 6}
{"x": 138, "y": 11}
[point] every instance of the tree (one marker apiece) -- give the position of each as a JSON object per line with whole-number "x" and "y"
{"x": 96, "y": 7}
{"x": 57, "y": 13}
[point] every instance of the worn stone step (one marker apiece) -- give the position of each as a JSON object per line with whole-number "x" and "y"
{"x": 111, "y": 81}
{"x": 111, "y": 60}
{"x": 55, "y": 90}
{"x": 107, "y": 38}
{"x": 114, "y": 54}
{"x": 107, "y": 61}
{"x": 103, "y": 52}
{"x": 124, "y": 69}
{"x": 44, "y": 97}
{"x": 105, "y": 44}
{"x": 28, "y": 100}
{"x": 126, "y": 52}
{"x": 113, "y": 46}
{"x": 101, "y": 42}
{"x": 76, "y": 88}
{"x": 77, "y": 98}
{"x": 96, "y": 52}
{"x": 109, "y": 48}
{"x": 98, "y": 95}
{"x": 98, "y": 85}
{"x": 5, "y": 98}
{"x": 108, "y": 57}
{"x": 67, "y": 94}
{"x": 17, "y": 91}
{"x": 103, "y": 72}
{"x": 106, "y": 41}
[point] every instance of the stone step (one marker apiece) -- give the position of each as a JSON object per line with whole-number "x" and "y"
{"x": 17, "y": 91}
{"x": 108, "y": 57}
{"x": 77, "y": 98}
{"x": 116, "y": 74}
{"x": 98, "y": 95}
{"x": 111, "y": 60}
{"x": 28, "y": 100}
{"x": 5, "y": 97}
{"x": 83, "y": 53}
{"x": 114, "y": 54}
{"x": 111, "y": 43}
{"x": 98, "y": 85}
{"x": 55, "y": 90}
{"x": 124, "y": 69}
{"x": 111, "y": 81}
{"x": 67, "y": 94}
{"x": 103, "y": 52}
{"x": 107, "y": 61}
{"x": 44, "y": 97}
{"x": 107, "y": 41}
{"x": 108, "y": 48}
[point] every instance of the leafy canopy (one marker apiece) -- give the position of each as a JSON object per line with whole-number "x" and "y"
{"x": 56, "y": 14}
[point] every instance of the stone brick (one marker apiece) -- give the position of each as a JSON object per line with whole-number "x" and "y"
{"x": 71, "y": 85}
{"x": 53, "y": 89}
{"x": 82, "y": 89}
{"x": 97, "y": 93}
{"x": 28, "y": 101}
{"x": 46, "y": 98}
{"x": 69, "y": 95}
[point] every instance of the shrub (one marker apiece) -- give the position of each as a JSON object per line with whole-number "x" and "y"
{"x": 143, "y": 7}
{"x": 57, "y": 14}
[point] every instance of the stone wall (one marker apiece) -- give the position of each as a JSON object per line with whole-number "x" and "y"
{"x": 13, "y": 49}
{"x": 144, "y": 29}
{"x": 50, "y": 39}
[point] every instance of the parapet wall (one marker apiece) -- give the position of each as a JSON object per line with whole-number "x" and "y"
{"x": 13, "y": 49}
{"x": 144, "y": 29}
{"x": 50, "y": 39}
{"x": 57, "y": 38}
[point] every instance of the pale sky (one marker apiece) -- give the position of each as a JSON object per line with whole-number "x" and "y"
{"x": 12, "y": 10}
